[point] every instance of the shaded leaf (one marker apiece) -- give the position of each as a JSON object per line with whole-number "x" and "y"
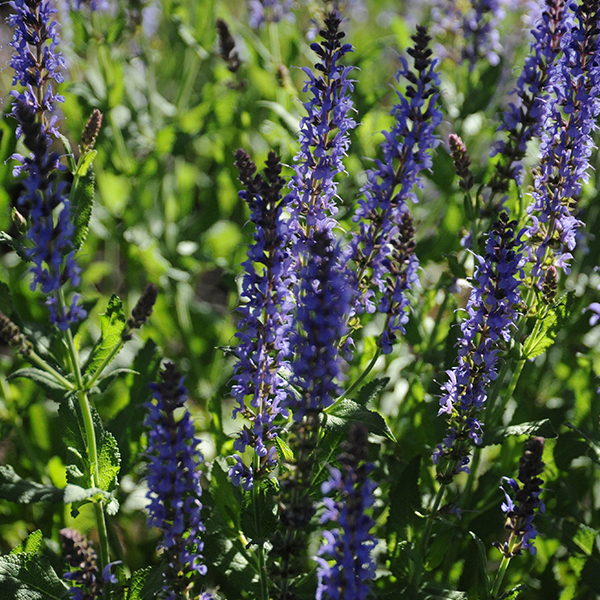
{"x": 258, "y": 518}
{"x": 46, "y": 381}
{"x": 554, "y": 321}
{"x": 483, "y": 584}
{"x": 28, "y": 577}
{"x": 496, "y": 435}
{"x": 345, "y": 412}
{"x": 370, "y": 390}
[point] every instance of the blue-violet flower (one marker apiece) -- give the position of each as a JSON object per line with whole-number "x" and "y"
{"x": 174, "y": 483}
{"x": 348, "y": 546}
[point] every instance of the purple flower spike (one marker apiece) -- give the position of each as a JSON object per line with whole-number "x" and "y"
{"x": 348, "y": 547}
{"x": 384, "y": 248}
{"x": 567, "y": 144}
{"x": 321, "y": 322}
{"x": 324, "y": 134}
{"x": 524, "y": 118}
{"x": 35, "y": 58}
{"x": 259, "y": 387}
{"x": 520, "y": 511}
{"x": 485, "y": 332}
{"x": 37, "y": 63}
{"x": 174, "y": 483}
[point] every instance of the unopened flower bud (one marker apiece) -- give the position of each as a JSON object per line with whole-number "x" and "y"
{"x": 91, "y": 130}
{"x": 141, "y": 311}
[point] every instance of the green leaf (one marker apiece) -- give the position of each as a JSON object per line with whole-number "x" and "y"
{"x": 496, "y": 435}
{"x": 553, "y": 322}
{"x": 23, "y": 491}
{"x": 514, "y": 592}
{"x": 46, "y": 381}
{"x": 145, "y": 584}
{"x": 112, "y": 323}
{"x": 78, "y": 461}
{"x": 585, "y": 538}
{"x": 456, "y": 267}
{"x": 593, "y": 444}
{"x": 69, "y": 152}
{"x": 30, "y": 545}
{"x": 27, "y": 577}
{"x": 431, "y": 593}
{"x": 371, "y": 390}
{"x": 405, "y": 498}
{"x": 226, "y": 497}
{"x": 15, "y": 489}
{"x": 284, "y": 451}
{"x": 15, "y": 244}
{"x": 483, "y": 584}
{"x": 82, "y": 203}
{"x": 258, "y": 518}
{"x": 85, "y": 162}
{"x": 345, "y": 412}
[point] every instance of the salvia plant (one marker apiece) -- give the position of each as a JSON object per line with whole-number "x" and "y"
{"x": 300, "y": 300}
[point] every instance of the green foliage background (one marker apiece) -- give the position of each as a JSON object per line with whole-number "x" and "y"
{"x": 167, "y": 212}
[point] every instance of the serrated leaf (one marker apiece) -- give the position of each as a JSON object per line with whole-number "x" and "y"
{"x": 145, "y": 584}
{"x": 73, "y": 493}
{"x": 346, "y": 411}
{"x": 15, "y": 244}
{"x": 370, "y": 391}
{"x": 109, "y": 460}
{"x": 585, "y": 538}
{"x": 30, "y": 545}
{"x": 284, "y": 451}
{"x": 69, "y": 152}
{"x": 78, "y": 461}
{"x": 541, "y": 428}
{"x": 483, "y": 591}
{"x": 226, "y": 497}
{"x": 82, "y": 203}
{"x": 258, "y": 518}
{"x": 29, "y": 578}
{"x": 112, "y": 323}
{"x": 15, "y": 489}
{"x": 45, "y": 380}
{"x": 552, "y": 324}
{"x": 405, "y": 498}
{"x": 85, "y": 162}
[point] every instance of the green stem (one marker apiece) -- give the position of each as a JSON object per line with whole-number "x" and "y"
{"x": 42, "y": 364}
{"x": 104, "y": 364}
{"x": 362, "y": 376}
{"x": 262, "y": 571}
{"x": 500, "y": 576}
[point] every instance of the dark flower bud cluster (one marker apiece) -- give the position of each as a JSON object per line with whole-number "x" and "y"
{"x": 382, "y": 209}
{"x": 349, "y": 545}
{"x": 80, "y": 555}
{"x": 227, "y": 47}
{"x": 462, "y": 162}
{"x": 520, "y": 511}
{"x": 141, "y": 311}
{"x": 174, "y": 484}
{"x": 567, "y": 144}
{"x": 492, "y": 312}
{"x": 91, "y": 131}
{"x": 264, "y": 327}
{"x": 524, "y": 118}
{"x": 550, "y": 285}
{"x": 324, "y": 134}
{"x": 11, "y": 334}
